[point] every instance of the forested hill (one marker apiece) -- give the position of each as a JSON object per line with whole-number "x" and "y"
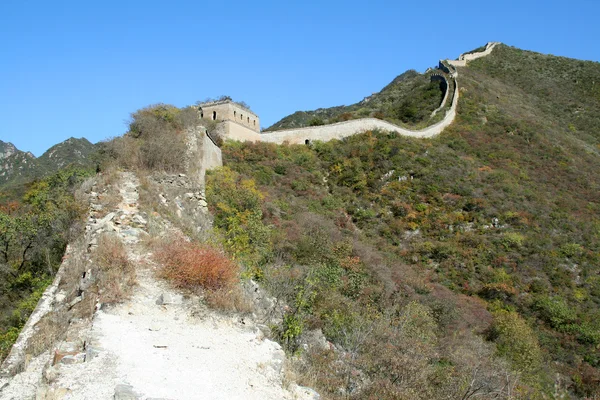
{"x": 17, "y": 167}
{"x": 439, "y": 265}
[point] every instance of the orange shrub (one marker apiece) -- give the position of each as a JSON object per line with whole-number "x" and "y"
{"x": 191, "y": 266}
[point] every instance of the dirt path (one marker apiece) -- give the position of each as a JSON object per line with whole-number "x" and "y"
{"x": 160, "y": 345}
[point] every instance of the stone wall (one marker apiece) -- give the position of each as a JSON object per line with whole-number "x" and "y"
{"x": 463, "y": 59}
{"x": 228, "y": 110}
{"x": 445, "y": 88}
{"x": 211, "y": 156}
{"x": 353, "y": 127}
{"x": 231, "y": 129}
{"x": 234, "y": 131}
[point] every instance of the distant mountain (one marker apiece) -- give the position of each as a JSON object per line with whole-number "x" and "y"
{"x": 14, "y": 163}
{"x": 17, "y": 166}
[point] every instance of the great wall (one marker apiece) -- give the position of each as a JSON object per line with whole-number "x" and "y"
{"x": 91, "y": 360}
{"x": 245, "y": 128}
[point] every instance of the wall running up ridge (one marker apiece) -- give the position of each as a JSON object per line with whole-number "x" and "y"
{"x": 348, "y": 128}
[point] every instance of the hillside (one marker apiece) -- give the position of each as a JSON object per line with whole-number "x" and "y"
{"x": 15, "y": 164}
{"x": 408, "y": 100}
{"x": 17, "y": 167}
{"x": 487, "y": 238}
{"x": 385, "y": 266}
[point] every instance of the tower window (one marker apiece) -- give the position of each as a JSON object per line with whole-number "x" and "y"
{"x": 248, "y": 119}
{"x": 214, "y": 115}
{"x": 234, "y": 114}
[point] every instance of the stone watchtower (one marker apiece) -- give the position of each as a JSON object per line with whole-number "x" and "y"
{"x": 234, "y": 120}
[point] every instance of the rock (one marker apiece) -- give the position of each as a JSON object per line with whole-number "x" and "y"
{"x": 46, "y": 393}
{"x": 315, "y": 339}
{"x": 125, "y": 392}
{"x": 60, "y": 297}
{"x": 138, "y": 219}
{"x": 168, "y": 298}
{"x": 91, "y": 352}
{"x": 304, "y": 393}
{"x": 203, "y": 203}
{"x": 51, "y": 373}
{"x": 86, "y": 280}
{"x": 75, "y": 301}
{"x": 73, "y": 359}
{"x": 109, "y": 217}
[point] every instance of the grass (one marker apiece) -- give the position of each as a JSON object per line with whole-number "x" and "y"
{"x": 116, "y": 274}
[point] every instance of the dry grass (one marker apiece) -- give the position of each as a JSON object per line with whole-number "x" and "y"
{"x": 228, "y": 299}
{"x": 116, "y": 274}
{"x": 47, "y": 331}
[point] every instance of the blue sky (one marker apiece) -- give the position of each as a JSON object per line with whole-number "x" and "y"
{"x": 79, "y": 68}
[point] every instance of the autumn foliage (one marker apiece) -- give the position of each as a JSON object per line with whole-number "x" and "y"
{"x": 192, "y": 266}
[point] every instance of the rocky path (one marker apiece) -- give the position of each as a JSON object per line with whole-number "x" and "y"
{"x": 162, "y": 345}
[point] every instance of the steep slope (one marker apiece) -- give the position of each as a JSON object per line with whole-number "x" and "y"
{"x": 491, "y": 228}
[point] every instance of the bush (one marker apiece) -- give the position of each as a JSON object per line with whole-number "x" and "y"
{"x": 192, "y": 266}
{"x": 155, "y": 140}
{"x": 516, "y": 341}
{"x": 555, "y": 311}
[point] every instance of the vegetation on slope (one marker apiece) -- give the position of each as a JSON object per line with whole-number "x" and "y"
{"x": 33, "y": 235}
{"x": 408, "y": 100}
{"x": 155, "y": 139}
{"x": 438, "y": 267}
{"x": 18, "y": 168}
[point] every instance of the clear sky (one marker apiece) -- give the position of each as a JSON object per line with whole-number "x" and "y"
{"x": 79, "y": 68}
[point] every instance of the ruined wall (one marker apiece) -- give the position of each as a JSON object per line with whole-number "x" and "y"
{"x": 202, "y": 154}
{"x": 211, "y": 156}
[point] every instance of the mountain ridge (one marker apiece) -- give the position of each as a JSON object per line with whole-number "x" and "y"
{"x": 17, "y": 166}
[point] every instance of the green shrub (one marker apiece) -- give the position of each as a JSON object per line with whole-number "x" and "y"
{"x": 516, "y": 341}
{"x": 555, "y": 311}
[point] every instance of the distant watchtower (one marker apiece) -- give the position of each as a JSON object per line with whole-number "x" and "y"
{"x": 235, "y": 121}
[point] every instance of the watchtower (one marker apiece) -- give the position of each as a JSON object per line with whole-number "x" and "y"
{"x": 229, "y": 110}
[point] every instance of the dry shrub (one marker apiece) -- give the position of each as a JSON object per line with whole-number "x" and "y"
{"x": 228, "y": 299}
{"x": 116, "y": 274}
{"x": 192, "y": 266}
